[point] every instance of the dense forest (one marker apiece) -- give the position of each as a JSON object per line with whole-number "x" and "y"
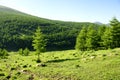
{"x": 17, "y": 29}
{"x": 105, "y": 37}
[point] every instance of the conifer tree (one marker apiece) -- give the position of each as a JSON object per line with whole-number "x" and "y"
{"x": 107, "y": 38}
{"x": 39, "y": 43}
{"x": 115, "y": 30}
{"x": 92, "y": 39}
{"x": 81, "y": 40}
{"x": 101, "y": 31}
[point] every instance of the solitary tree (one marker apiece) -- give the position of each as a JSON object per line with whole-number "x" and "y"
{"x": 81, "y": 40}
{"x": 39, "y": 43}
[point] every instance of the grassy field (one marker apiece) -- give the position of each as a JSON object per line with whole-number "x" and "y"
{"x": 62, "y": 65}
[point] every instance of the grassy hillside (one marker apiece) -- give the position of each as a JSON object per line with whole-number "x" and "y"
{"x": 63, "y": 65}
{"x": 17, "y": 28}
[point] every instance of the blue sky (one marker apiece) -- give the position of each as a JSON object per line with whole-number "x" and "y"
{"x": 68, "y": 10}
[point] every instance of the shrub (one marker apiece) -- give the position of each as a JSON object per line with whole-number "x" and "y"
{"x": 26, "y": 52}
{"x": 20, "y": 51}
{"x": 3, "y": 53}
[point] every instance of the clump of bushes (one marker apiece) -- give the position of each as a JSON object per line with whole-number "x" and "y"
{"x": 3, "y": 53}
{"x": 24, "y": 52}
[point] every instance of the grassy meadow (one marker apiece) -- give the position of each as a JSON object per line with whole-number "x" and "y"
{"x": 62, "y": 65}
{"x": 23, "y": 32}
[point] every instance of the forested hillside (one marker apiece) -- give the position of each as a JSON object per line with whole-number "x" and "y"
{"x": 17, "y": 28}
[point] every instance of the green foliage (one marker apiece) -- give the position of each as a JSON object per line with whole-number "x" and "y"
{"x": 39, "y": 42}
{"x": 92, "y": 39}
{"x": 20, "y": 51}
{"x": 16, "y": 30}
{"x": 81, "y": 40}
{"x": 3, "y": 53}
{"x": 107, "y": 38}
{"x": 115, "y": 32}
{"x": 24, "y": 52}
{"x": 101, "y": 31}
{"x": 102, "y": 38}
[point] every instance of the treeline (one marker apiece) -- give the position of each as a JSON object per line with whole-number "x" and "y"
{"x": 104, "y": 37}
{"x": 17, "y": 29}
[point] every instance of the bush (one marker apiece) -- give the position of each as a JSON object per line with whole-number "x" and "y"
{"x": 24, "y": 52}
{"x": 3, "y": 53}
{"x": 20, "y": 51}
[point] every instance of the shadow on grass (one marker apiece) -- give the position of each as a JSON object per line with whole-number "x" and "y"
{"x": 61, "y": 60}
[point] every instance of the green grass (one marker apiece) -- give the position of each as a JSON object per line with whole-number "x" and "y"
{"x": 63, "y": 65}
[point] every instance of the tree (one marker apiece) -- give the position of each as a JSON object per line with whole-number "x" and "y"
{"x": 92, "y": 38}
{"x": 101, "y": 31}
{"x": 107, "y": 38}
{"x": 115, "y": 30}
{"x": 39, "y": 43}
{"x": 81, "y": 40}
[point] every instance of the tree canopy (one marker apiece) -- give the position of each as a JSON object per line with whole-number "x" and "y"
{"x": 102, "y": 38}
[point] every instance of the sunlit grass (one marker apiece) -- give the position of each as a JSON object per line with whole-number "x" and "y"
{"x": 63, "y": 65}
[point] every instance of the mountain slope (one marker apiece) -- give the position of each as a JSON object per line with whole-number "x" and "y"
{"x": 8, "y": 10}
{"x": 17, "y": 28}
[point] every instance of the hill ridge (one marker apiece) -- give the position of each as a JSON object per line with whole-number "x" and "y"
{"x": 15, "y": 24}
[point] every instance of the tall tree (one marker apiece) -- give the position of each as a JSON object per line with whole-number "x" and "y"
{"x": 39, "y": 43}
{"x": 81, "y": 40}
{"x": 101, "y": 31}
{"x": 92, "y": 38}
{"x": 107, "y": 38}
{"x": 115, "y": 30}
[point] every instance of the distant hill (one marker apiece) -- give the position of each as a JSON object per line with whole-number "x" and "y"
{"x": 99, "y": 23}
{"x": 17, "y": 28}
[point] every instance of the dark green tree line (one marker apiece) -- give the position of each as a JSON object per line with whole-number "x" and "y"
{"x": 16, "y": 30}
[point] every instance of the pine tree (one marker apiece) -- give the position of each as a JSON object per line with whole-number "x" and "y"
{"x": 92, "y": 39}
{"x": 115, "y": 30}
{"x": 107, "y": 38}
{"x": 81, "y": 40}
{"x": 39, "y": 43}
{"x": 101, "y": 31}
